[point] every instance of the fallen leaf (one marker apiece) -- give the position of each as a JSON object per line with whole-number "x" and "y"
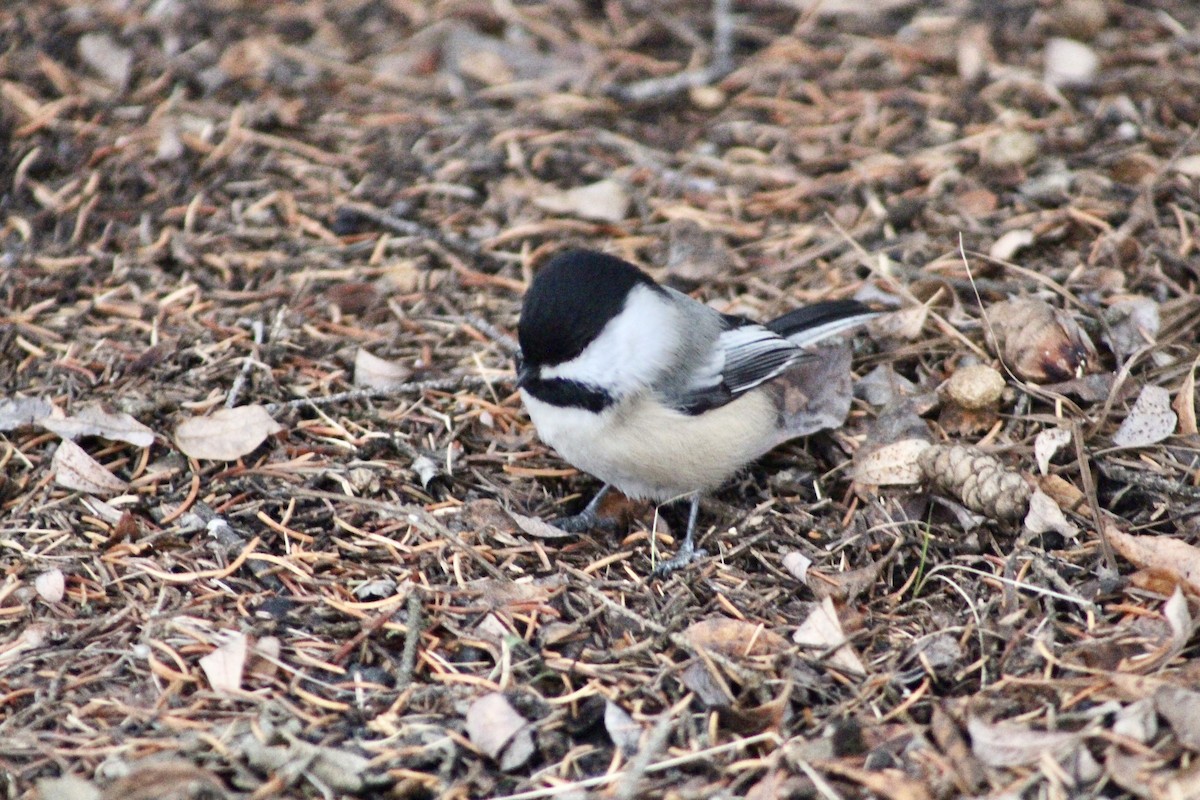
{"x": 496, "y": 728}
{"x": 1173, "y": 557}
{"x": 68, "y": 787}
{"x": 733, "y": 637}
{"x": 373, "y": 372}
{"x": 74, "y": 469}
{"x": 227, "y": 434}
{"x": 1185, "y": 402}
{"x": 93, "y": 419}
{"x": 1045, "y": 515}
{"x": 224, "y": 666}
{"x": 1133, "y": 322}
{"x": 622, "y": 729}
{"x": 1011, "y": 744}
{"x": 1047, "y": 443}
{"x": 603, "y": 201}
{"x": 1011, "y": 243}
{"x": 1149, "y": 421}
{"x": 539, "y": 528}
{"x": 797, "y": 564}
{"x": 1181, "y": 709}
{"x": 17, "y": 412}
{"x": 823, "y": 630}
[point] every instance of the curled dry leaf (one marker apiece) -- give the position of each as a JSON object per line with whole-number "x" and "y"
{"x": 224, "y": 666}
{"x": 74, "y": 469}
{"x": 797, "y": 564}
{"x": 1185, "y": 402}
{"x": 974, "y": 387}
{"x": 822, "y": 629}
{"x": 895, "y": 464}
{"x": 980, "y": 481}
{"x": 733, "y": 637}
{"x": 1045, "y": 516}
{"x": 1047, "y": 443}
{"x": 373, "y": 372}
{"x": 496, "y": 728}
{"x": 1011, "y": 243}
{"x": 93, "y": 419}
{"x": 227, "y": 434}
{"x": 1149, "y": 421}
{"x": 1038, "y": 342}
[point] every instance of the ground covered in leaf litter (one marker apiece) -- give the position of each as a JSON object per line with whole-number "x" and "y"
{"x": 224, "y": 576}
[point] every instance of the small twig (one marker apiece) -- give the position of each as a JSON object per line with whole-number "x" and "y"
{"x": 1155, "y": 483}
{"x": 412, "y": 638}
{"x": 406, "y": 227}
{"x": 247, "y": 363}
{"x": 492, "y": 332}
{"x": 720, "y": 65}
{"x": 412, "y": 387}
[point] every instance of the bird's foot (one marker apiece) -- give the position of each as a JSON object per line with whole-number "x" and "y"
{"x": 688, "y": 553}
{"x": 584, "y": 521}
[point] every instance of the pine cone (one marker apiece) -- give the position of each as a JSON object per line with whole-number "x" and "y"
{"x": 980, "y": 481}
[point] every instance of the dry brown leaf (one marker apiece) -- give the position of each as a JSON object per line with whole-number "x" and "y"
{"x": 227, "y": 434}
{"x": 1185, "y": 402}
{"x": 539, "y": 528}
{"x": 822, "y": 629}
{"x": 224, "y": 666}
{"x": 74, "y": 469}
{"x": 1173, "y": 557}
{"x": 496, "y": 728}
{"x": 1181, "y": 709}
{"x": 93, "y": 419}
{"x": 1149, "y": 421}
{"x": 373, "y": 372}
{"x": 733, "y": 637}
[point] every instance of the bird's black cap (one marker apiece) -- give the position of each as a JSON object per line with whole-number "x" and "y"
{"x": 570, "y": 301}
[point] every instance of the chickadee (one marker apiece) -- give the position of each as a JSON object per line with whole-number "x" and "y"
{"x": 651, "y": 391}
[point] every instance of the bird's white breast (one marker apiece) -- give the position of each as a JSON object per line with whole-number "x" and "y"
{"x": 648, "y": 450}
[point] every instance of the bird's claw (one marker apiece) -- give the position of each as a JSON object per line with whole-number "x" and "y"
{"x": 688, "y": 553}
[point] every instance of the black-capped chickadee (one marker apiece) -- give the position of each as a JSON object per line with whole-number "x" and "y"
{"x": 652, "y": 392}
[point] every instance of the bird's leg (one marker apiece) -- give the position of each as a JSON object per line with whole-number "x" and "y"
{"x": 587, "y": 519}
{"x": 687, "y": 551}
